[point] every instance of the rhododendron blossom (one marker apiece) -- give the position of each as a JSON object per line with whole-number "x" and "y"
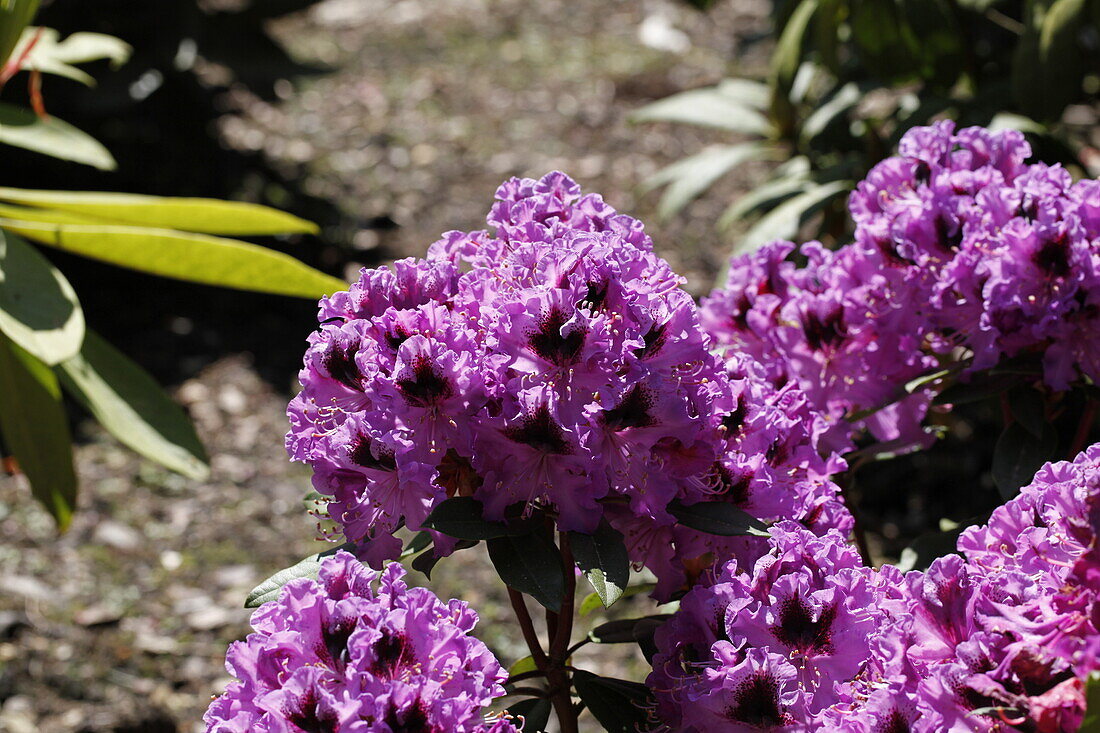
{"x": 340, "y": 656}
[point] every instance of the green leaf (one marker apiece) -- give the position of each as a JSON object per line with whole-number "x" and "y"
{"x": 763, "y": 196}
{"x": 691, "y": 176}
{"x": 460, "y": 517}
{"x": 1028, "y": 407}
{"x": 621, "y": 631}
{"x": 841, "y": 101}
{"x": 787, "y": 56}
{"x": 205, "y": 216}
{"x": 535, "y": 712}
{"x": 717, "y": 518}
{"x": 426, "y": 562}
{"x": 619, "y": 706}
{"x": 603, "y": 559}
{"x": 784, "y": 221}
{"x": 198, "y": 258}
{"x": 133, "y": 408}
{"x": 592, "y": 601}
{"x": 420, "y": 541}
{"x": 1049, "y": 63}
{"x": 522, "y": 666}
{"x": 56, "y": 138}
{"x": 51, "y": 56}
{"x": 748, "y": 92}
{"x": 531, "y": 565}
{"x": 306, "y": 568}
{"x": 981, "y": 386}
{"x": 1091, "y": 723}
{"x": 929, "y": 547}
{"x": 14, "y": 17}
{"x": 38, "y": 307}
{"x": 36, "y": 430}
{"x": 708, "y": 107}
{"x": 1019, "y": 454}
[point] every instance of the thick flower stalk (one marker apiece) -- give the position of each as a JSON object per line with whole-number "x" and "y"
{"x": 999, "y": 637}
{"x": 552, "y": 364}
{"x": 340, "y": 657}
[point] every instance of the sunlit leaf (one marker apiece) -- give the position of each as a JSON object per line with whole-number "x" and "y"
{"x": 603, "y": 559}
{"x": 306, "y": 568}
{"x": 23, "y": 129}
{"x": 14, "y": 17}
{"x": 53, "y": 56}
{"x": 206, "y": 216}
{"x": 784, "y": 221}
{"x": 38, "y": 308}
{"x": 688, "y": 178}
{"x": 768, "y": 193}
{"x": 133, "y": 408}
{"x": 36, "y": 430}
{"x": 194, "y": 257}
{"x": 708, "y": 107}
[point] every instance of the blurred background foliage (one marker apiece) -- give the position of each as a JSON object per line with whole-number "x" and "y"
{"x": 847, "y": 78}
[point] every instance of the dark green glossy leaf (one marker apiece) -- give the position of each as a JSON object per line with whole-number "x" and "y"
{"x": 1028, "y": 408}
{"x": 980, "y": 386}
{"x": 603, "y": 559}
{"x": 420, "y": 541}
{"x": 530, "y": 564}
{"x": 1019, "y": 454}
{"x": 133, "y": 408}
{"x": 426, "y": 562}
{"x": 461, "y": 517}
{"x": 306, "y": 568}
{"x": 718, "y": 518}
{"x": 619, "y": 706}
{"x": 621, "y": 631}
{"x": 535, "y": 712}
{"x": 35, "y": 429}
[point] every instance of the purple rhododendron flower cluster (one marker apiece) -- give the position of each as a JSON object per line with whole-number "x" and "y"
{"x": 959, "y": 245}
{"x": 340, "y": 656}
{"x": 1001, "y": 637}
{"x": 552, "y": 363}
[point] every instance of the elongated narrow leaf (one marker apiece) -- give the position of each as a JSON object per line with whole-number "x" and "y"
{"x": 692, "y": 176}
{"x": 619, "y": 706}
{"x": 767, "y": 194}
{"x": 306, "y": 568}
{"x": 787, "y": 56}
{"x": 133, "y": 408}
{"x": 844, "y": 99}
{"x": 748, "y": 92}
{"x": 194, "y": 257}
{"x": 531, "y": 565}
{"x": 1019, "y": 454}
{"x": 708, "y": 108}
{"x": 784, "y": 221}
{"x": 53, "y": 137}
{"x": 718, "y": 518}
{"x": 603, "y": 559}
{"x": 36, "y": 430}
{"x": 53, "y": 56}
{"x": 205, "y": 216}
{"x": 38, "y": 308}
{"x": 621, "y": 631}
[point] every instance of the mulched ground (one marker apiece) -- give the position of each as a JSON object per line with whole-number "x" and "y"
{"x": 122, "y": 624}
